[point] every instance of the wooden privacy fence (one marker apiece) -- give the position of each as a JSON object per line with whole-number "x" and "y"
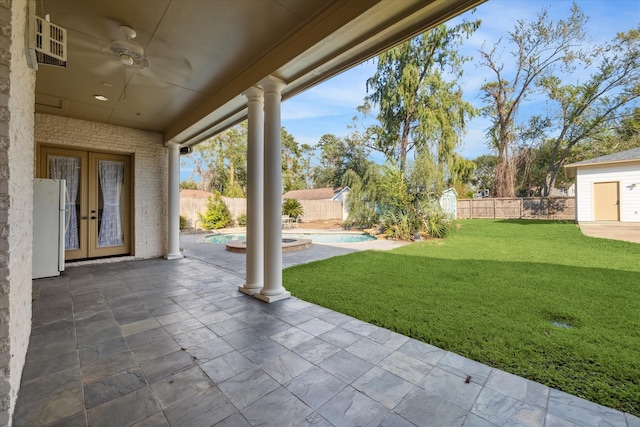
{"x": 191, "y": 206}
{"x": 562, "y": 208}
{"x": 314, "y": 210}
{"x": 321, "y": 210}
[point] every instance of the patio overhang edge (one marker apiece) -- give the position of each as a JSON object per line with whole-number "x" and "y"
{"x": 216, "y": 115}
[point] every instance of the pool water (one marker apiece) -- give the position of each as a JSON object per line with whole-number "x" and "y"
{"x": 224, "y": 238}
{"x": 315, "y": 238}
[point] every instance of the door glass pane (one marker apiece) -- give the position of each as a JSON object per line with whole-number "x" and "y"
{"x": 68, "y": 168}
{"x": 110, "y": 203}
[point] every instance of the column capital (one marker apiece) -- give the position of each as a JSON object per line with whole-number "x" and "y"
{"x": 172, "y": 145}
{"x": 254, "y": 93}
{"x": 272, "y": 84}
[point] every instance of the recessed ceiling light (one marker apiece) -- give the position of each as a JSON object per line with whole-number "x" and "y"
{"x": 101, "y": 97}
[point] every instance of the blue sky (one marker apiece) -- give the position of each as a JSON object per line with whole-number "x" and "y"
{"x": 329, "y": 107}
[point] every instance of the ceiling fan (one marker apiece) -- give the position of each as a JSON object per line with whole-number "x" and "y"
{"x": 131, "y": 54}
{"x": 111, "y": 49}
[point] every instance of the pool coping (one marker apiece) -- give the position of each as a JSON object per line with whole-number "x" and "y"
{"x": 242, "y": 230}
{"x": 240, "y": 246}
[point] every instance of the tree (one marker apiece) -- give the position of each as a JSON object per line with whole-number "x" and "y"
{"x": 460, "y": 171}
{"x": 294, "y": 171}
{"x": 362, "y": 201}
{"x": 221, "y": 162}
{"x": 629, "y": 126}
{"x": 188, "y": 185}
{"x": 485, "y": 172}
{"x": 586, "y": 111}
{"x": 419, "y": 109}
{"x": 424, "y": 172}
{"x": 541, "y": 47}
{"x": 337, "y": 156}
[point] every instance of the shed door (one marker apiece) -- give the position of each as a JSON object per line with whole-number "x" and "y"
{"x": 606, "y": 201}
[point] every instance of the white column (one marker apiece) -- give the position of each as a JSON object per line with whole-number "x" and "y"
{"x": 255, "y": 171}
{"x": 174, "y": 201}
{"x": 272, "y": 289}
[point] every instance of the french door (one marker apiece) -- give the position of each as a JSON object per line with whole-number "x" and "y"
{"x": 98, "y": 200}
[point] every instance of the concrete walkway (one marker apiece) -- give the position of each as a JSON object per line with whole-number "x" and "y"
{"x": 627, "y": 231}
{"x": 194, "y": 246}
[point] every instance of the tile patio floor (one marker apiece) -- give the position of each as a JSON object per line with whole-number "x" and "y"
{"x": 173, "y": 343}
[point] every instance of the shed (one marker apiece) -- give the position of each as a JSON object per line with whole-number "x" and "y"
{"x": 607, "y": 187}
{"x": 327, "y": 193}
{"x": 321, "y": 203}
{"x": 449, "y": 202}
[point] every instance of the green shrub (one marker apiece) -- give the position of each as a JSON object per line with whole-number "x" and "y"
{"x": 435, "y": 222}
{"x": 216, "y": 215}
{"x": 292, "y": 208}
{"x": 242, "y": 220}
{"x": 430, "y": 220}
{"x": 397, "y": 224}
{"x": 183, "y": 222}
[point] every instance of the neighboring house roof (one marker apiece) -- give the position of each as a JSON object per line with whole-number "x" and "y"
{"x": 627, "y": 156}
{"x": 195, "y": 194}
{"x": 328, "y": 193}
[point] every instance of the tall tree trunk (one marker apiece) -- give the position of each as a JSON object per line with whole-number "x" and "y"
{"x": 505, "y": 170}
{"x": 404, "y": 142}
{"x": 550, "y": 179}
{"x": 232, "y": 174}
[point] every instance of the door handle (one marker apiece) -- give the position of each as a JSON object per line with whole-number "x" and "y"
{"x": 84, "y": 217}
{"x": 93, "y": 217}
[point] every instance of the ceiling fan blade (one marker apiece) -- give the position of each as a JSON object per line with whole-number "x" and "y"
{"x": 88, "y": 53}
{"x": 167, "y": 64}
{"x": 176, "y": 73}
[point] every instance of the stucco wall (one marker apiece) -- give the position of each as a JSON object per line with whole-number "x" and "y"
{"x": 17, "y": 84}
{"x": 626, "y": 174}
{"x": 150, "y": 170}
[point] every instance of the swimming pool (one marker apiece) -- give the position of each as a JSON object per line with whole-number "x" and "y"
{"x": 315, "y": 237}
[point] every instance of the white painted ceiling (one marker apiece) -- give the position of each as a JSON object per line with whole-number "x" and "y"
{"x": 204, "y": 53}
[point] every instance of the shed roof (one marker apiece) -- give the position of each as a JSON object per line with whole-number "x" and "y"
{"x": 326, "y": 193}
{"x": 627, "y": 156}
{"x": 196, "y": 194}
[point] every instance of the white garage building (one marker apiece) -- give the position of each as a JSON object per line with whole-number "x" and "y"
{"x": 607, "y": 187}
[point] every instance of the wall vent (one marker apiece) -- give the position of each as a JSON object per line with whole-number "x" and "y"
{"x": 48, "y": 44}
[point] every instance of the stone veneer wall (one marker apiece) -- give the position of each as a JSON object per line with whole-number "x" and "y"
{"x": 150, "y": 174}
{"x": 17, "y": 85}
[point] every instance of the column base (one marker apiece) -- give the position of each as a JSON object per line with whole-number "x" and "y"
{"x": 273, "y": 298}
{"x": 174, "y": 255}
{"x": 249, "y": 291}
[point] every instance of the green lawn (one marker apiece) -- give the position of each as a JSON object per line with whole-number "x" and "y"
{"x": 491, "y": 291}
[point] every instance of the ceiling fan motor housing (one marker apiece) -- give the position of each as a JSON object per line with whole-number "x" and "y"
{"x": 129, "y": 53}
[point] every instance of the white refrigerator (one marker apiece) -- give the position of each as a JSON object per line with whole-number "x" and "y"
{"x": 49, "y": 197}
